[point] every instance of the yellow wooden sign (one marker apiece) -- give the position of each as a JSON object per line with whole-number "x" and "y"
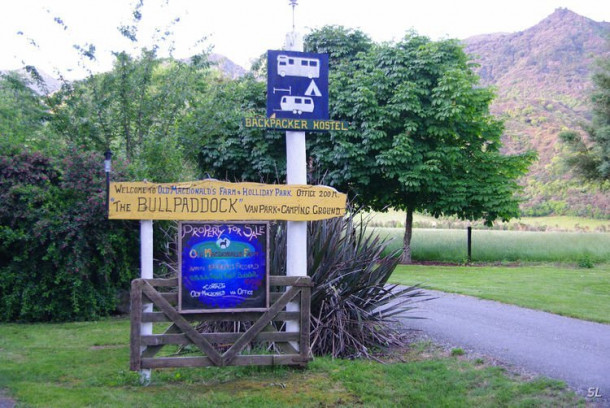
{"x": 223, "y": 201}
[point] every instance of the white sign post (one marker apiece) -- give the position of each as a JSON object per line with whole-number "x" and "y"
{"x": 146, "y": 272}
{"x": 296, "y": 173}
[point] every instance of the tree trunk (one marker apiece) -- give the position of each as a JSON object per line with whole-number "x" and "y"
{"x": 406, "y": 248}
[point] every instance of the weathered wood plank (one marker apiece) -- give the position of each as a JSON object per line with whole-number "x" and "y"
{"x": 136, "y": 322}
{"x": 284, "y": 347}
{"x": 274, "y": 280}
{"x": 166, "y": 283}
{"x": 305, "y": 309}
{"x": 159, "y": 317}
{"x": 152, "y": 351}
{"x": 259, "y": 325}
{"x": 216, "y": 338}
{"x": 179, "y": 321}
{"x": 298, "y": 281}
{"x": 168, "y": 362}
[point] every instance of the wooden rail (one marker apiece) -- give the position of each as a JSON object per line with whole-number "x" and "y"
{"x": 265, "y": 328}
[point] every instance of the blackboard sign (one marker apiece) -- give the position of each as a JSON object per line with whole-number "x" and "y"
{"x": 223, "y": 266}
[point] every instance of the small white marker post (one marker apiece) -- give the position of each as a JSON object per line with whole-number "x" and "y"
{"x": 296, "y": 173}
{"x": 146, "y": 272}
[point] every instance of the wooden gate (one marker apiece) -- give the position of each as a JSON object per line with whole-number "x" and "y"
{"x": 263, "y": 328}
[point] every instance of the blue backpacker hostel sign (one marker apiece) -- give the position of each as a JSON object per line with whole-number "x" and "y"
{"x": 297, "y": 85}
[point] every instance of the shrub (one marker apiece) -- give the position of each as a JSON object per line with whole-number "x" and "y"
{"x": 60, "y": 258}
{"x": 352, "y": 306}
{"x": 585, "y": 261}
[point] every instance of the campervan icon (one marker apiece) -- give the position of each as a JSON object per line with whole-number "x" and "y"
{"x": 297, "y": 104}
{"x": 298, "y": 66}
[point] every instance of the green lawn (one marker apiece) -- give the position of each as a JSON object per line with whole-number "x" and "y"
{"x": 448, "y": 245}
{"x": 85, "y": 364}
{"x": 577, "y": 292}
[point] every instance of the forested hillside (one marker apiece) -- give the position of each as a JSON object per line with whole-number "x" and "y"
{"x": 543, "y": 81}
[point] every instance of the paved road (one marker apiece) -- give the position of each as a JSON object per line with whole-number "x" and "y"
{"x": 572, "y": 350}
{"x": 6, "y": 402}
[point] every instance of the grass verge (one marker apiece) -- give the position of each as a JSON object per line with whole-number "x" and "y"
{"x": 85, "y": 364}
{"x": 576, "y": 292}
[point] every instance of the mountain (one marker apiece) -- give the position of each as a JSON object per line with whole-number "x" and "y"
{"x": 226, "y": 66}
{"x": 51, "y": 84}
{"x": 543, "y": 81}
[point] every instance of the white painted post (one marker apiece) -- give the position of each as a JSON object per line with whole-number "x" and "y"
{"x": 296, "y": 173}
{"x": 146, "y": 272}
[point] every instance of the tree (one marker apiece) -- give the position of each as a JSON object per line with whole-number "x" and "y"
{"x": 422, "y": 137}
{"x": 228, "y": 150}
{"x": 134, "y": 110}
{"x": 23, "y": 114}
{"x": 590, "y": 158}
{"x": 342, "y": 44}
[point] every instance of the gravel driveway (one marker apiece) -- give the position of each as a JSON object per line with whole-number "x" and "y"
{"x": 572, "y": 350}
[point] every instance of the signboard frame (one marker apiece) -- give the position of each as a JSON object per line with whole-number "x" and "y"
{"x": 210, "y": 309}
{"x": 213, "y": 200}
{"x": 308, "y": 125}
{"x": 292, "y": 91}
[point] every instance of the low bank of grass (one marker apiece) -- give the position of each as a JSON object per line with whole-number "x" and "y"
{"x": 85, "y": 364}
{"x": 503, "y": 246}
{"x": 576, "y": 292}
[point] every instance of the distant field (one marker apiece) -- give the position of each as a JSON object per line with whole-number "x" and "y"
{"x": 394, "y": 218}
{"x": 446, "y": 245}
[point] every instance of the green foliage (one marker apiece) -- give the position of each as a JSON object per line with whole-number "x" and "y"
{"x": 221, "y": 146}
{"x": 23, "y": 114}
{"x": 456, "y": 352}
{"x": 351, "y": 305}
{"x": 423, "y": 137}
{"x": 60, "y": 258}
{"x": 135, "y": 110}
{"x": 590, "y": 158}
{"x": 342, "y": 44}
{"x": 586, "y": 262}
{"x": 561, "y": 196}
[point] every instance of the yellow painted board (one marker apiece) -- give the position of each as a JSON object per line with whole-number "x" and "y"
{"x": 223, "y": 201}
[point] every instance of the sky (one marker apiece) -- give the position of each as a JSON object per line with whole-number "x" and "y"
{"x": 43, "y": 32}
